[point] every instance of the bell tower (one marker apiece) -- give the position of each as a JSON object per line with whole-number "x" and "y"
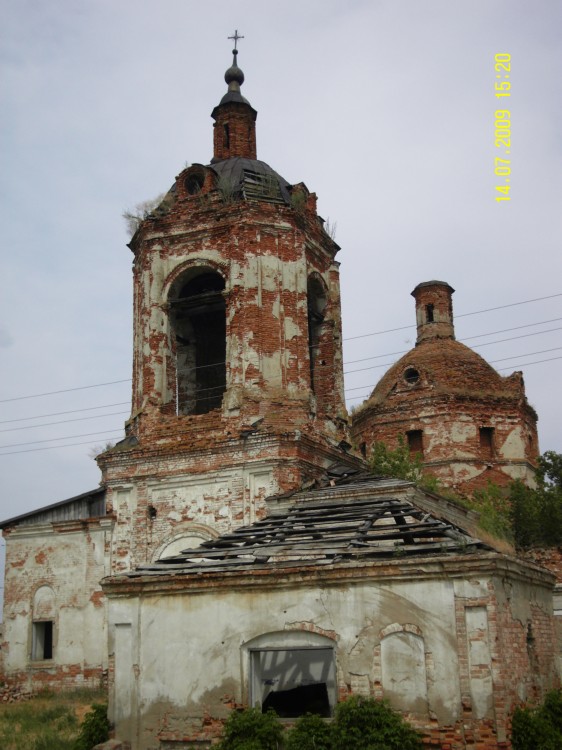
{"x": 237, "y": 371}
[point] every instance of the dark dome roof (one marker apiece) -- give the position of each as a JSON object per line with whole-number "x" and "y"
{"x": 446, "y": 367}
{"x": 253, "y": 178}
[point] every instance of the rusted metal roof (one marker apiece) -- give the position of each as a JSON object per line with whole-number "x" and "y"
{"x": 341, "y": 524}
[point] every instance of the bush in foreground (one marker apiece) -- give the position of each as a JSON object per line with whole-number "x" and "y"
{"x": 359, "y": 724}
{"x": 539, "y": 728}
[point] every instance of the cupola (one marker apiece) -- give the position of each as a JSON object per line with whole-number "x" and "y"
{"x": 235, "y": 118}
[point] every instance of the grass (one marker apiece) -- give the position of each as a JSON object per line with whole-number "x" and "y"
{"x": 48, "y": 721}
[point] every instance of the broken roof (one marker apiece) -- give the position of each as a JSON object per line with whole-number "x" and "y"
{"x": 360, "y": 520}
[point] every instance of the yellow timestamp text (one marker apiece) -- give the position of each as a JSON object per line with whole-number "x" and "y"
{"x": 502, "y": 126}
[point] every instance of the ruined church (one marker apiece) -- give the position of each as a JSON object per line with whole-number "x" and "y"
{"x": 237, "y": 551}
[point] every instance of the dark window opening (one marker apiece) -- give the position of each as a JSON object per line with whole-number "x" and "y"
{"x": 487, "y": 441}
{"x": 411, "y": 376}
{"x": 226, "y": 136}
{"x": 305, "y": 699}
{"x": 294, "y": 681}
{"x": 316, "y": 308}
{"x": 415, "y": 442}
{"x": 194, "y": 182}
{"x": 429, "y": 313}
{"x": 199, "y": 322}
{"x": 42, "y": 645}
{"x": 363, "y": 449}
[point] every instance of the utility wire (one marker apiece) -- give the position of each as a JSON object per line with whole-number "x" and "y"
{"x": 376, "y": 333}
{"x": 60, "y": 413}
{"x": 65, "y": 421}
{"x": 476, "y": 346}
{"x": 51, "y": 440}
{"x": 354, "y": 361}
{"x": 461, "y": 315}
{"x": 504, "y": 369}
{"x": 64, "y": 390}
{"x": 50, "y": 447}
{"x": 369, "y": 388}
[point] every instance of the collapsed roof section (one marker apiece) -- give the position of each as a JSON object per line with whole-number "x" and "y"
{"x": 369, "y": 519}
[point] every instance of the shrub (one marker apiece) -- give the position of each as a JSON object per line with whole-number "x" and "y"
{"x": 541, "y": 727}
{"x": 94, "y": 729}
{"x": 310, "y": 732}
{"x": 366, "y": 724}
{"x": 252, "y": 730}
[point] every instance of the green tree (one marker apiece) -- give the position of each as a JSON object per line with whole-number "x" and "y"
{"x": 536, "y": 513}
{"x": 399, "y": 463}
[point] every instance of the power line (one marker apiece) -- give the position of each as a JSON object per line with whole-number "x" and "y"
{"x": 476, "y": 346}
{"x": 348, "y": 390}
{"x": 349, "y": 338}
{"x": 49, "y": 447}
{"x": 64, "y": 390}
{"x": 502, "y": 369}
{"x": 50, "y": 440}
{"x": 461, "y": 315}
{"x": 60, "y": 413}
{"x": 530, "y": 354}
{"x": 515, "y": 328}
{"x": 65, "y": 421}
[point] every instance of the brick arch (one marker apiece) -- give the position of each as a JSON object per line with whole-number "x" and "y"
{"x": 404, "y": 669}
{"x": 187, "y": 267}
{"x": 44, "y": 603}
{"x": 189, "y": 532}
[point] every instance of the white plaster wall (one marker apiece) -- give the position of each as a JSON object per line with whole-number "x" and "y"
{"x": 190, "y": 647}
{"x": 72, "y": 564}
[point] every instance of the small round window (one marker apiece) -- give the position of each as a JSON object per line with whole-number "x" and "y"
{"x": 411, "y": 376}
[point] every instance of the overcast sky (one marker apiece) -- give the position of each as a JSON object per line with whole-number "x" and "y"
{"x": 384, "y": 108}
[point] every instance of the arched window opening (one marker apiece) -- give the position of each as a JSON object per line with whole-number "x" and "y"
{"x": 199, "y": 325}
{"x": 294, "y": 673}
{"x": 316, "y": 312}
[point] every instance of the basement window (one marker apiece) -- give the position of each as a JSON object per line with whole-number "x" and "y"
{"x": 199, "y": 325}
{"x": 415, "y": 442}
{"x": 42, "y": 641}
{"x": 294, "y": 681}
{"x": 487, "y": 441}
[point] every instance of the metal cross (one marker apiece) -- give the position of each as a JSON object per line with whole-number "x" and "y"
{"x": 236, "y": 37}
